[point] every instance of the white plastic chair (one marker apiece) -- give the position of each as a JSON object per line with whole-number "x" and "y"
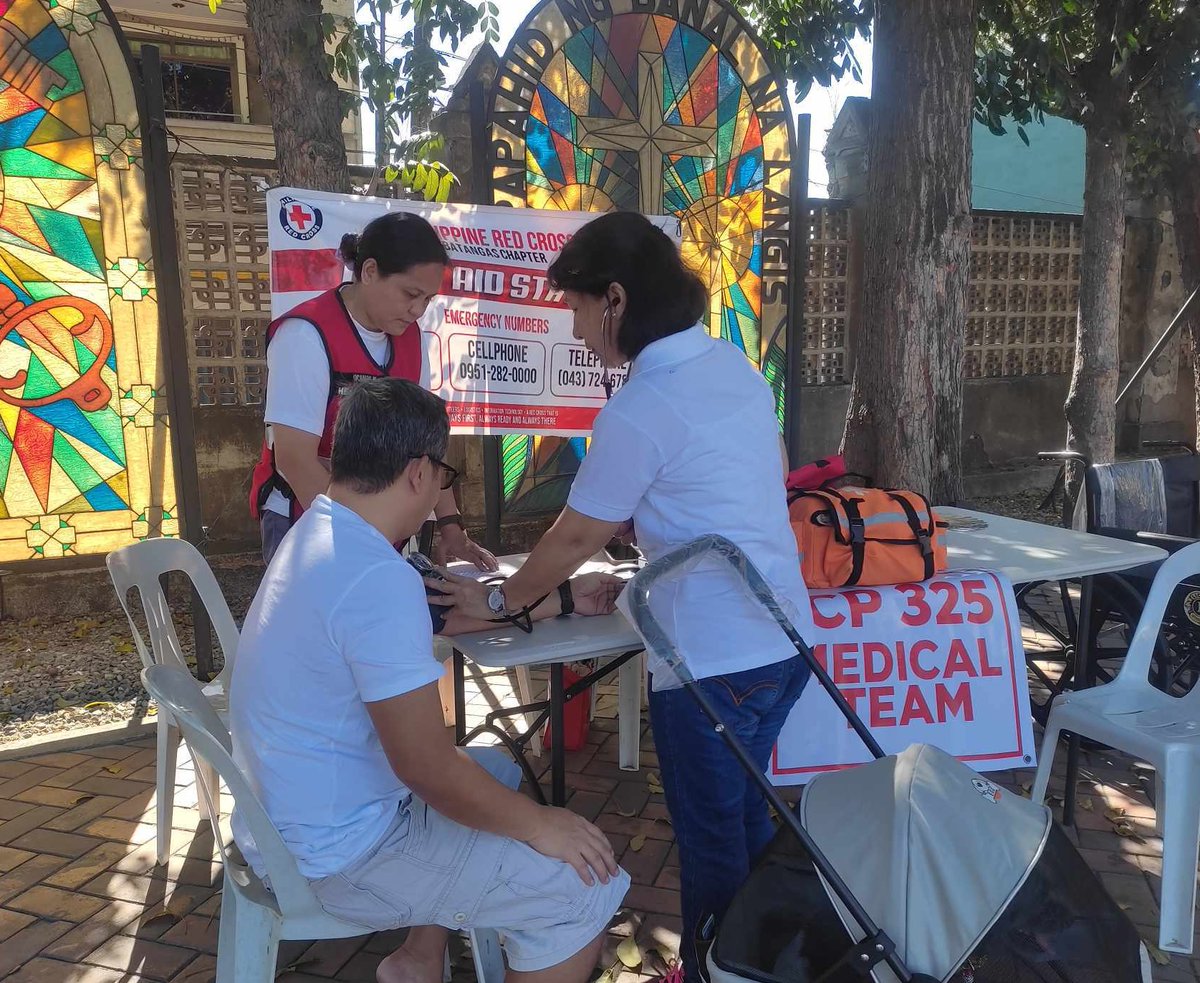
{"x": 142, "y": 566}
{"x": 256, "y": 918}
{"x": 1131, "y": 715}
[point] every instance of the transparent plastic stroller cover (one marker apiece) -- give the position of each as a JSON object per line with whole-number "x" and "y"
{"x": 652, "y": 612}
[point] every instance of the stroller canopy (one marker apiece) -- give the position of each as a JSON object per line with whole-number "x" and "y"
{"x": 932, "y": 850}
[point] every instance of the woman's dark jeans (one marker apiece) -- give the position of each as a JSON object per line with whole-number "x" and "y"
{"x": 721, "y": 820}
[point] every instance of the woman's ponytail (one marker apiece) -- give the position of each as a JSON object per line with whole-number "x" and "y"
{"x": 348, "y": 250}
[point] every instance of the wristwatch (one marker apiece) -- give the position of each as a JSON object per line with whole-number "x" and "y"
{"x": 454, "y": 519}
{"x": 496, "y": 602}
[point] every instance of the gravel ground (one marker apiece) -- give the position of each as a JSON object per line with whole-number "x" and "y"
{"x": 61, "y": 675}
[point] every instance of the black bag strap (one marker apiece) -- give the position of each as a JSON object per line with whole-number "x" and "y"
{"x": 924, "y": 535}
{"x": 858, "y": 539}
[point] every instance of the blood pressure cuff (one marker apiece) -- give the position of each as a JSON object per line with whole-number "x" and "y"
{"x": 437, "y": 613}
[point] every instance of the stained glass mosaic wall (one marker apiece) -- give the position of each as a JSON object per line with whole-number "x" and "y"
{"x": 664, "y": 107}
{"x": 85, "y": 451}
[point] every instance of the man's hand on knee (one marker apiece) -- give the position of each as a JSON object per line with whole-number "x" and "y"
{"x": 570, "y": 838}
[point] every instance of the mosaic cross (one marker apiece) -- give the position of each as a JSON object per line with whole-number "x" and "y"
{"x": 649, "y": 136}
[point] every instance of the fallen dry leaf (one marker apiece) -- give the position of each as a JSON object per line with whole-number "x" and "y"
{"x": 1115, "y": 815}
{"x": 97, "y": 705}
{"x": 297, "y": 966}
{"x": 82, "y": 799}
{"x": 165, "y": 917}
{"x": 637, "y": 843}
{"x": 1086, "y": 805}
{"x": 628, "y": 815}
{"x": 609, "y": 975}
{"x": 629, "y": 953}
{"x": 114, "y": 769}
{"x": 1156, "y": 953}
{"x": 1127, "y": 831}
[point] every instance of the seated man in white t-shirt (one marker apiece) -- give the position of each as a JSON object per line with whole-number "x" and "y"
{"x": 337, "y": 722}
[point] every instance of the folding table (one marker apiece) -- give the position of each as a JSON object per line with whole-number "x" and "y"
{"x": 554, "y": 643}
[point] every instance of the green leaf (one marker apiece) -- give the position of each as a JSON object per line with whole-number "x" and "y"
{"x": 1023, "y": 135}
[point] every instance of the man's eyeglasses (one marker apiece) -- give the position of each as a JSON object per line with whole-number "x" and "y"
{"x": 449, "y": 474}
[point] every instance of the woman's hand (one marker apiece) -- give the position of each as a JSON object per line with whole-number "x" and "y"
{"x": 455, "y": 544}
{"x": 596, "y": 593}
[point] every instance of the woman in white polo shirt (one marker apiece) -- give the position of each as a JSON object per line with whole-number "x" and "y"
{"x": 689, "y": 445}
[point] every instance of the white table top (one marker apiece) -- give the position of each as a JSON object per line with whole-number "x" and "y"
{"x": 1022, "y": 551}
{"x": 1026, "y": 552}
{"x": 553, "y": 640}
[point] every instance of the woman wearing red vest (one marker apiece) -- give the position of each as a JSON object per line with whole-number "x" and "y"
{"x": 321, "y": 347}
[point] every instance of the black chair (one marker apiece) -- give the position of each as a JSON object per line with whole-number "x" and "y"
{"x": 1156, "y": 501}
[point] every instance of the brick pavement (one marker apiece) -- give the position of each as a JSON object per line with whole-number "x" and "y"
{"x": 81, "y": 900}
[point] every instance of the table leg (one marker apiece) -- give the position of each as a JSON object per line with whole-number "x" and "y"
{"x": 1082, "y": 655}
{"x": 629, "y": 715}
{"x": 460, "y": 697}
{"x": 558, "y": 758}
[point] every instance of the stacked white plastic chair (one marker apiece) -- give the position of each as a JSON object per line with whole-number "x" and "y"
{"x": 1131, "y": 715}
{"x": 142, "y": 566}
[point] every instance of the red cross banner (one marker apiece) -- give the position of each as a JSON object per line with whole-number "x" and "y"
{"x": 938, "y": 663}
{"x": 498, "y": 338}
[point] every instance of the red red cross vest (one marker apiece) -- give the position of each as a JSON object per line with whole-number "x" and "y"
{"x": 349, "y": 361}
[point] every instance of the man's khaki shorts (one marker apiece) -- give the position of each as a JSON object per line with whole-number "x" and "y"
{"x": 428, "y": 870}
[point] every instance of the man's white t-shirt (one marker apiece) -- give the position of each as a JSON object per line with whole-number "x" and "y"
{"x": 298, "y": 380}
{"x": 339, "y": 620}
{"x": 689, "y": 445}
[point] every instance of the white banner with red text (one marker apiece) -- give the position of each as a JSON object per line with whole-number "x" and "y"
{"x": 938, "y": 663}
{"x": 498, "y": 338}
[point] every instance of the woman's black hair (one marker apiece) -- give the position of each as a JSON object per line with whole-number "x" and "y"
{"x": 664, "y": 297}
{"x": 397, "y": 241}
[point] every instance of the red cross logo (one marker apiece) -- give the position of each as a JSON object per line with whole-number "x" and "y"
{"x": 299, "y": 216}
{"x": 299, "y": 219}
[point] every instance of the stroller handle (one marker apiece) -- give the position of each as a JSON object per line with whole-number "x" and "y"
{"x": 876, "y": 947}
{"x": 687, "y": 556}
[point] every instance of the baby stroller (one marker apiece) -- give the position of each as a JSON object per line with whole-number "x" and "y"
{"x": 910, "y": 868}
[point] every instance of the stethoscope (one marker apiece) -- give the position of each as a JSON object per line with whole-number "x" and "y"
{"x": 605, "y": 331}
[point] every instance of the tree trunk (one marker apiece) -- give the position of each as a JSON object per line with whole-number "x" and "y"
{"x": 904, "y": 423}
{"x": 1091, "y": 406}
{"x": 306, "y": 111}
{"x": 1183, "y": 185}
